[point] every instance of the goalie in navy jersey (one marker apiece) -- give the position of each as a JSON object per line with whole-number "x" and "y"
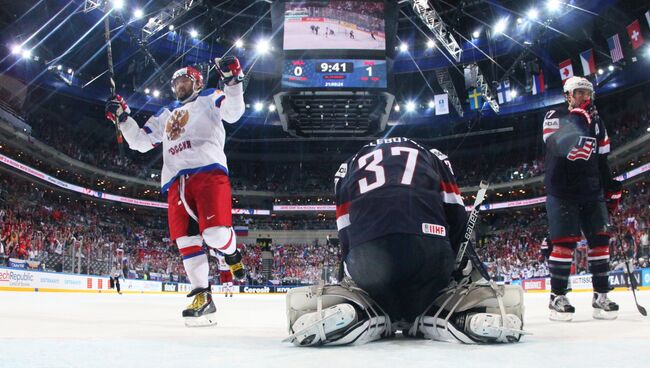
{"x": 401, "y": 220}
{"x": 580, "y": 190}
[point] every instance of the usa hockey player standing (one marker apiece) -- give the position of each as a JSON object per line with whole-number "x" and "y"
{"x": 580, "y": 189}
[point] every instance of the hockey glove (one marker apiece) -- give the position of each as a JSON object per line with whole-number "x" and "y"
{"x": 613, "y": 195}
{"x": 229, "y": 70}
{"x": 116, "y": 109}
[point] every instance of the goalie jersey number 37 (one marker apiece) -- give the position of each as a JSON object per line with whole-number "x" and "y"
{"x": 395, "y": 185}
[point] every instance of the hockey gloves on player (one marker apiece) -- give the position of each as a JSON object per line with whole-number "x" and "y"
{"x": 116, "y": 109}
{"x": 613, "y": 195}
{"x": 229, "y": 70}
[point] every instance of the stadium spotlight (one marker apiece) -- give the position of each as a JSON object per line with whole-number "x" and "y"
{"x": 520, "y": 20}
{"x": 476, "y": 34}
{"x": 396, "y": 107}
{"x": 410, "y": 106}
{"x": 16, "y": 49}
{"x": 513, "y": 93}
{"x": 403, "y": 47}
{"x": 532, "y": 14}
{"x": 171, "y": 28}
{"x": 147, "y": 91}
{"x": 553, "y": 5}
{"x": 239, "y": 44}
{"x": 430, "y": 44}
{"x": 156, "y": 93}
{"x": 138, "y": 13}
{"x": 431, "y": 104}
{"x": 118, "y": 4}
{"x": 600, "y": 71}
{"x": 258, "y": 106}
{"x": 263, "y": 46}
{"x": 610, "y": 68}
{"x": 500, "y": 26}
{"x": 59, "y": 67}
{"x": 194, "y": 33}
{"x": 26, "y": 54}
{"x": 70, "y": 70}
{"x": 271, "y": 107}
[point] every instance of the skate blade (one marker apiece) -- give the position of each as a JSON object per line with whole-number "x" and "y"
{"x": 559, "y": 316}
{"x": 203, "y": 321}
{"x": 601, "y": 314}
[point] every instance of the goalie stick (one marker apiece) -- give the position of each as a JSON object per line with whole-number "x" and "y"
{"x": 111, "y": 74}
{"x": 471, "y": 222}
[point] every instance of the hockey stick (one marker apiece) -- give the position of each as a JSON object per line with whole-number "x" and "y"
{"x": 473, "y": 216}
{"x": 632, "y": 284}
{"x": 111, "y": 74}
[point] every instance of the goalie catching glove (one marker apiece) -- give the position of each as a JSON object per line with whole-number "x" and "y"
{"x": 229, "y": 70}
{"x": 117, "y": 110}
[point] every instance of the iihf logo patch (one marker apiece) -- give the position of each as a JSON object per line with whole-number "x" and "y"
{"x": 583, "y": 150}
{"x": 434, "y": 229}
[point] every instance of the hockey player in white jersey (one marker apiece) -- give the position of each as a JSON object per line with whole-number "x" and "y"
{"x": 195, "y": 171}
{"x": 225, "y": 276}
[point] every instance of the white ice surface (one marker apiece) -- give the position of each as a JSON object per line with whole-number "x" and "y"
{"x": 134, "y": 330}
{"x": 298, "y": 36}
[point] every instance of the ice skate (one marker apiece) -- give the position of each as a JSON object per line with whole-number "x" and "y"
{"x": 603, "y": 307}
{"x": 201, "y": 312}
{"x": 561, "y": 308}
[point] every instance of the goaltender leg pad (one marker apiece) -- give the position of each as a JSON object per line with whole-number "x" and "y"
{"x": 333, "y": 315}
{"x": 471, "y": 313}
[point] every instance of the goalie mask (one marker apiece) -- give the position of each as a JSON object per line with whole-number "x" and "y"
{"x": 193, "y": 75}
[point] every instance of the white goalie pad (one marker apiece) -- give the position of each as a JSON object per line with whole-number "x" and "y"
{"x": 333, "y": 315}
{"x": 479, "y": 312}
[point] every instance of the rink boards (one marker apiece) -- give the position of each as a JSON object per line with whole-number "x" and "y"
{"x": 12, "y": 279}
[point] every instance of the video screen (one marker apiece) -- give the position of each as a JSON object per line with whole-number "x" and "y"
{"x": 334, "y": 24}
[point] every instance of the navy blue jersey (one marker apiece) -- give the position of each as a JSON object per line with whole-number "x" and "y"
{"x": 576, "y": 155}
{"x": 394, "y": 185}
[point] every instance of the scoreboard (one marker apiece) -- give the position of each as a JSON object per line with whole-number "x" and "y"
{"x": 334, "y": 74}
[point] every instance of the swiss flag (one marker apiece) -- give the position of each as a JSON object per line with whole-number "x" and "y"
{"x": 566, "y": 69}
{"x": 634, "y": 31}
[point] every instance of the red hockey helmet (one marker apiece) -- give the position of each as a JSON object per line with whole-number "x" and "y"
{"x": 192, "y": 74}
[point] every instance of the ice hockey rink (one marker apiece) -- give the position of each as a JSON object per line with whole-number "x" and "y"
{"x": 298, "y": 36}
{"x": 136, "y": 330}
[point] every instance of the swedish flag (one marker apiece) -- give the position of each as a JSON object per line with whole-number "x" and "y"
{"x": 475, "y": 99}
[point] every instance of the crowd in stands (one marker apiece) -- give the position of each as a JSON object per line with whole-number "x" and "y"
{"x": 38, "y": 224}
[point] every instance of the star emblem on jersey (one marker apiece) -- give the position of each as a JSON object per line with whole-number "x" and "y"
{"x": 175, "y": 126}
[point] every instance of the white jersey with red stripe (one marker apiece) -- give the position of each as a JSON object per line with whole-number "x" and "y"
{"x": 222, "y": 265}
{"x": 395, "y": 185}
{"x": 192, "y": 134}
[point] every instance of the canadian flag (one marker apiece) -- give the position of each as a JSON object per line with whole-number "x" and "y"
{"x": 566, "y": 69}
{"x": 634, "y": 31}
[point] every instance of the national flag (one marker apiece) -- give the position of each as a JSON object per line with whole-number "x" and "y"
{"x": 538, "y": 83}
{"x": 470, "y": 72}
{"x": 647, "y": 17}
{"x": 588, "y": 62}
{"x": 566, "y": 69}
{"x": 442, "y": 104}
{"x": 503, "y": 92}
{"x": 634, "y": 31}
{"x": 583, "y": 150}
{"x": 475, "y": 99}
{"x": 615, "y": 49}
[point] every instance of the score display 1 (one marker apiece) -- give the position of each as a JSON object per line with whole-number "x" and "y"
{"x": 333, "y": 73}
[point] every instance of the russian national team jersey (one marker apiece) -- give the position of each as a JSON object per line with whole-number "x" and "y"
{"x": 192, "y": 134}
{"x": 574, "y": 147}
{"x": 394, "y": 185}
{"x": 222, "y": 265}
